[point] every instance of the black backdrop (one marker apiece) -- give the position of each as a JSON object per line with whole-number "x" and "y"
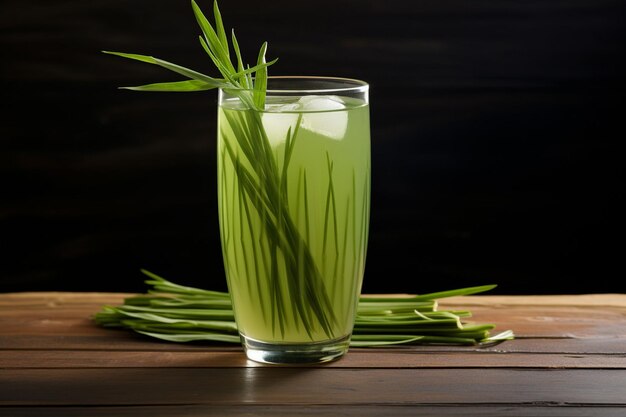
{"x": 495, "y": 127}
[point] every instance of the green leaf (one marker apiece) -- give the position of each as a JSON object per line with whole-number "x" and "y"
{"x": 240, "y": 66}
{"x": 457, "y": 292}
{"x": 211, "y": 37}
{"x": 158, "y": 281}
{"x": 213, "y": 337}
{"x": 226, "y": 73}
{"x": 377, "y": 340}
{"x": 216, "y": 83}
{"x": 176, "y": 86}
{"x": 255, "y": 68}
{"x": 260, "y": 80}
{"x": 219, "y": 24}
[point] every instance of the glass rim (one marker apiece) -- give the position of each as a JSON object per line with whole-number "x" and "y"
{"x": 353, "y": 85}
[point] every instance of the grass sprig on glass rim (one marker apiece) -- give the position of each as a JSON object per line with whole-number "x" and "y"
{"x": 177, "y": 313}
{"x": 235, "y": 77}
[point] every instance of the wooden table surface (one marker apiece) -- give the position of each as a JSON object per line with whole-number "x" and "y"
{"x": 569, "y": 359}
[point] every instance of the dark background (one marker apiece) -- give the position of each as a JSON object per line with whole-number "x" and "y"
{"x": 495, "y": 129}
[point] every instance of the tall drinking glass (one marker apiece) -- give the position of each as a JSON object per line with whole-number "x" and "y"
{"x": 294, "y": 202}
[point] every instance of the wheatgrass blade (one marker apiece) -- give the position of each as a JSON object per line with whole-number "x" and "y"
{"x": 193, "y": 303}
{"x": 260, "y": 81}
{"x": 184, "y": 313}
{"x": 176, "y": 86}
{"x": 240, "y": 67}
{"x": 212, "y": 39}
{"x": 380, "y": 340}
{"x": 219, "y": 26}
{"x": 216, "y": 60}
{"x": 215, "y": 82}
{"x": 193, "y": 337}
{"x": 457, "y": 292}
{"x": 159, "y": 282}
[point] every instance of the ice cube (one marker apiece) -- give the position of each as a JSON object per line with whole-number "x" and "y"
{"x": 277, "y": 123}
{"x": 321, "y": 115}
{"x": 281, "y": 107}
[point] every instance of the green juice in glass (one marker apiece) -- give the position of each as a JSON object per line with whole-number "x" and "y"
{"x": 293, "y": 184}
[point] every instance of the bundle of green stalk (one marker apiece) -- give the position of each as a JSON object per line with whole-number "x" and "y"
{"x": 179, "y": 313}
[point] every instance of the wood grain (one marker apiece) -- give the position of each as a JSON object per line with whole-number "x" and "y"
{"x": 461, "y": 410}
{"x": 569, "y": 360}
{"x": 307, "y": 386}
{"x": 413, "y": 358}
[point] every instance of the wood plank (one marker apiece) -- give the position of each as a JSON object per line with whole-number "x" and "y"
{"x": 464, "y": 410}
{"x": 32, "y": 359}
{"x": 570, "y": 300}
{"x": 553, "y": 321}
{"x": 52, "y": 298}
{"x": 52, "y": 354}
{"x": 121, "y": 340}
{"x": 310, "y": 386}
{"x": 112, "y": 340}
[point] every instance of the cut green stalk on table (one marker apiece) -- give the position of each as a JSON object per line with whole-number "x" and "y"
{"x": 178, "y": 313}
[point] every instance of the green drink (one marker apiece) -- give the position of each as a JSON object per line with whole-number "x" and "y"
{"x": 294, "y": 186}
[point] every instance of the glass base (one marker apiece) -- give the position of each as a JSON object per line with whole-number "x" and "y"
{"x": 304, "y": 353}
